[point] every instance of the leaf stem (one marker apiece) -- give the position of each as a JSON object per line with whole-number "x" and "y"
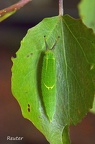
{"x": 65, "y": 135}
{"x": 61, "y": 7}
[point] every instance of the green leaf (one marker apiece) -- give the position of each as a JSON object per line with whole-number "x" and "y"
{"x": 87, "y": 12}
{"x": 75, "y": 61}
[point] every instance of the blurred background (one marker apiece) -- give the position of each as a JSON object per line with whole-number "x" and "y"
{"x": 12, "y": 30}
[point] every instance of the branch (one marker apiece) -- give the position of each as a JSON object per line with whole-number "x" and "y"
{"x": 6, "y": 12}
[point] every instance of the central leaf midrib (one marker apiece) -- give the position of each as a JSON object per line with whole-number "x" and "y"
{"x": 66, "y": 75}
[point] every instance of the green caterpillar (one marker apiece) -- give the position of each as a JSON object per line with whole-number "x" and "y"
{"x": 48, "y": 81}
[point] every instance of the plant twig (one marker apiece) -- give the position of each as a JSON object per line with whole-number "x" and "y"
{"x": 13, "y": 7}
{"x": 61, "y": 7}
